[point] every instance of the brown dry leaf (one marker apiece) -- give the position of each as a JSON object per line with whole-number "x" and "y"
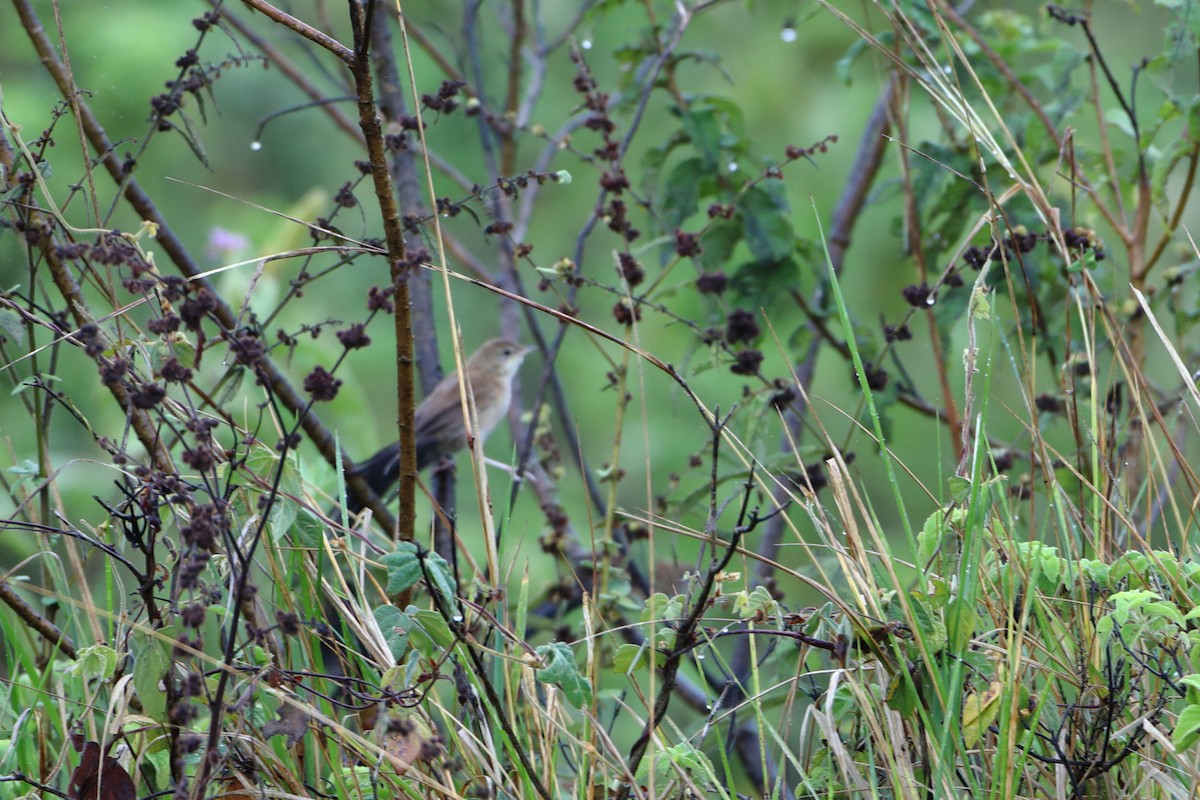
{"x": 235, "y": 789}
{"x": 99, "y": 778}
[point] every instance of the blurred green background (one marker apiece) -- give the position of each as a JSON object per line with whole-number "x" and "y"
{"x": 780, "y": 61}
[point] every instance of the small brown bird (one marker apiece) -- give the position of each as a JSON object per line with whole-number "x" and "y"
{"x": 439, "y": 419}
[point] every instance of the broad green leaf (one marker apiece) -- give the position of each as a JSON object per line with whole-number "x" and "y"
{"x": 395, "y": 626}
{"x": 96, "y": 661}
{"x": 1187, "y": 728}
{"x": 560, "y": 669}
{"x": 433, "y": 625}
{"x": 760, "y": 284}
{"x": 719, "y": 242}
{"x": 661, "y": 608}
{"x": 901, "y": 696}
{"x": 150, "y": 664}
{"x": 669, "y": 762}
{"x": 405, "y": 568}
{"x": 758, "y": 602}
{"x": 308, "y": 530}
{"x": 704, "y": 130}
{"x": 767, "y": 222}
{"x": 632, "y": 656}
{"x": 11, "y": 325}
{"x": 681, "y": 193}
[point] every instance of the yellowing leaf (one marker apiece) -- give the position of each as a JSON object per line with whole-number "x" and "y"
{"x": 979, "y": 711}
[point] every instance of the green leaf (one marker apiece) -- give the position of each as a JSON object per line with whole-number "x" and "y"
{"x": 1165, "y": 610}
{"x": 394, "y": 625}
{"x": 842, "y": 68}
{"x": 560, "y": 669}
{"x": 308, "y": 531}
{"x": 1125, "y": 603}
{"x": 422, "y": 630}
{"x": 404, "y": 567}
{"x": 1187, "y": 728}
{"x": 150, "y": 664}
{"x": 30, "y": 383}
{"x": 263, "y": 462}
{"x": 634, "y": 656}
{"x": 932, "y": 627}
{"x": 757, "y": 603}
{"x": 768, "y": 225}
{"x": 961, "y": 622}
{"x": 846, "y": 701}
{"x": 981, "y": 305}
{"x": 11, "y": 325}
{"x": 284, "y": 510}
{"x": 656, "y": 157}
{"x": 681, "y": 193}
{"x": 935, "y": 530}
{"x": 704, "y": 130}
{"x": 661, "y": 608}
{"x": 959, "y": 487}
{"x": 760, "y": 284}
{"x": 1043, "y": 562}
{"x": 433, "y": 625}
{"x": 719, "y": 242}
{"x": 685, "y": 758}
{"x": 96, "y": 661}
{"x": 901, "y": 695}
{"x": 1096, "y": 571}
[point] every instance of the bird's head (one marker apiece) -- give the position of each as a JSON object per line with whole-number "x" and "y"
{"x": 498, "y": 357}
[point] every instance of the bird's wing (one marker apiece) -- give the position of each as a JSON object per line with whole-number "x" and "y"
{"x": 437, "y": 418}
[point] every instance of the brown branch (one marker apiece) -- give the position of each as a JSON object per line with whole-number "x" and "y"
{"x": 415, "y": 33}
{"x": 508, "y": 152}
{"x": 687, "y": 630}
{"x": 304, "y": 29}
{"x": 29, "y": 615}
{"x": 183, "y": 261}
{"x": 868, "y": 160}
{"x": 398, "y": 266}
{"x": 291, "y": 72}
{"x": 405, "y": 176}
{"x": 140, "y": 420}
{"x": 1185, "y": 194}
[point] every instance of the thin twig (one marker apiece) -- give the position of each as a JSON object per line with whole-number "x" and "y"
{"x": 304, "y": 29}
{"x": 173, "y": 246}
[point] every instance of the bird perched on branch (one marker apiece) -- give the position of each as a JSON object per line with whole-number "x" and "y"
{"x": 438, "y": 421}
